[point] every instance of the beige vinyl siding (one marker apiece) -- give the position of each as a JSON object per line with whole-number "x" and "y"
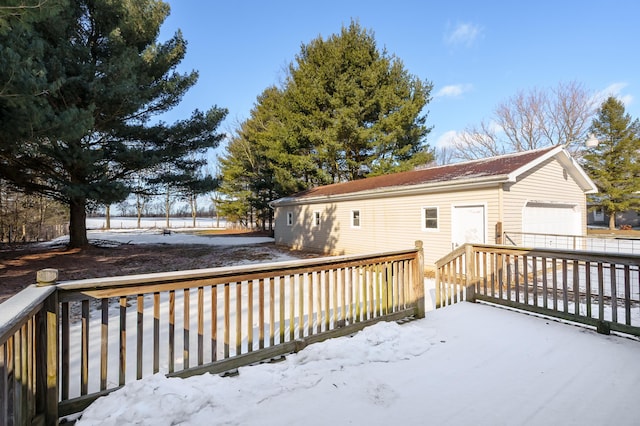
{"x": 548, "y": 182}
{"x": 391, "y": 223}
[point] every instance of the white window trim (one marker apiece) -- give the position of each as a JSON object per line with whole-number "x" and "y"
{"x": 289, "y": 218}
{"x": 359, "y": 219}
{"x": 423, "y": 218}
{"x": 317, "y": 217}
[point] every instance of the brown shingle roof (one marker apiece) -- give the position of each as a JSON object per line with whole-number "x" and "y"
{"x": 493, "y": 166}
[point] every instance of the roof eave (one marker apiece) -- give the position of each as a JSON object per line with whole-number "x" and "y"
{"x": 567, "y": 161}
{"x": 433, "y": 187}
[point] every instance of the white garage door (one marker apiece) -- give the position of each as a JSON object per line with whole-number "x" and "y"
{"x": 550, "y": 219}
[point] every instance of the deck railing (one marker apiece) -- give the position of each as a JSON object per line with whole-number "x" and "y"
{"x": 597, "y": 289}
{"x": 63, "y": 345}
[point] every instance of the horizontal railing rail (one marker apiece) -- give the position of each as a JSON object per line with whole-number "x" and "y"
{"x": 93, "y": 336}
{"x": 593, "y": 288}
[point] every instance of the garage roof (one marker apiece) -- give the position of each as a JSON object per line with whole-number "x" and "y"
{"x": 505, "y": 168}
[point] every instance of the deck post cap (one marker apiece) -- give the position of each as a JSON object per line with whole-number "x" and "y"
{"x": 47, "y": 276}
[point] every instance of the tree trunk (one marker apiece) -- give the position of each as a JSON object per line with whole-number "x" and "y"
{"x": 139, "y": 210}
{"x": 194, "y": 208}
{"x": 612, "y": 220}
{"x": 78, "y": 224}
{"x": 167, "y": 208}
{"x": 108, "y": 213}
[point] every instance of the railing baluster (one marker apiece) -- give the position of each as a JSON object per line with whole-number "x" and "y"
{"x": 358, "y": 285}
{"x": 156, "y": 332}
{"x": 333, "y": 274}
{"x": 227, "y": 320}
{"x": 534, "y": 282}
{"x": 281, "y": 305}
{"x": 272, "y": 312}
{"x": 238, "y": 334}
{"x": 5, "y": 373}
{"x": 554, "y": 271}
{"x": 576, "y": 287}
{"x": 200, "y": 325}
{"x": 292, "y": 308}
{"x": 545, "y": 284}
{"x": 627, "y": 295}
{"x": 104, "y": 343}
{"x": 321, "y": 283}
{"x": 172, "y": 331}
{"x": 525, "y": 279}
{"x": 186, "y": 323}
{"x": 614, "y": 293}
{"x": 565, "y": 286}
{"x": 250, "y": 308}
{"x": 214, "y": 323}
{"x": 600, "y": 291}
{"x": 122, "y": 368}
{"x": 64, "y": 388}
{"x": 261, "y": 321}
{"x": 500, "y": 273}
{"x": 325, "y": 282}
{"x": 84, "y": 354}
{"x": 311, "y": 284}
{"x": 507, "y": 258}
{"x": 517, "y": 277}
{"x": 139, "y": 335}
{"x": 301, "y": 280}
{"x": 587, "y": 273}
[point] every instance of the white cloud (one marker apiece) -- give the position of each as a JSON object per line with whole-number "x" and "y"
{"x": 463, "y": 34}
{"x": 453, "y": 90}
{"x": 615, "y": 90}
{"x": 446, "y": 139}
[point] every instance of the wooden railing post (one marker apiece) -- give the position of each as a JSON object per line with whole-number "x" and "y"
{"x": 47, "y": 355}
{"x": 418, "y": 283}
{"x": 470, "y": 273}
{"x": 499, "y": 233}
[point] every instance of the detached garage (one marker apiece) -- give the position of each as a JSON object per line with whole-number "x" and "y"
{"x": 540, "y": 191}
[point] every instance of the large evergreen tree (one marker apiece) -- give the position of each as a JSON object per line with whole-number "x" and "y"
{"x": 80, "y": 86}
{"x": 346, "y": 110}
{"x": 356, "y": 107}
{"x": 614, "y": 164}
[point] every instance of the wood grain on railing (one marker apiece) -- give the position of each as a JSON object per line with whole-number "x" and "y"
{"x": 252, "y": 308}
{"x": 598, "y": 289}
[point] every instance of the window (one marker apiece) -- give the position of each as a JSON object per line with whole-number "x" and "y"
{"x": 355, "y": 218}
{"x": 316, "y": 218}
{"x": 429, "y": 218}
{"x": 289, "y": 218}
{"x": 598, "y": 215}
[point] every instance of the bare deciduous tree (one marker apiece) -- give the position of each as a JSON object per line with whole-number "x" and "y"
{"x": 531, "y": 120}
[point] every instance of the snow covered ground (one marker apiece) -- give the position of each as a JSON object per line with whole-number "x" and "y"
{"x": 461, "y": 365}
{"x": 118, "y": 222}
{"x": 154, "y": 236}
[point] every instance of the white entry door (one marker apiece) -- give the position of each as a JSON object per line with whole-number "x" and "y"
{"x": 468, "y": 225}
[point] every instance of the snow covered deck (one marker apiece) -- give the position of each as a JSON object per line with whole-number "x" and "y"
{"x": 463, "y": 364}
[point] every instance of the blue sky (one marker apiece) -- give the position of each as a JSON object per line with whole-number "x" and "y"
{"x": 477, "y": 54}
